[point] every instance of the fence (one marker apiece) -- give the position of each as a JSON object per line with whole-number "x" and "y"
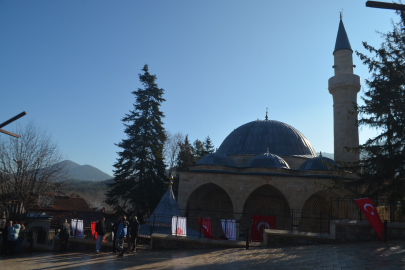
{"x": 346, "y": 208}
{"x": 223, "y": 225}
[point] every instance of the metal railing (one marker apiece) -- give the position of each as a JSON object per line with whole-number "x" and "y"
{"x": 346, "y": 208}
{"x": 216, "y": 221}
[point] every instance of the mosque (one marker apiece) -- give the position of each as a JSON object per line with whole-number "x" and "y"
{"x": 266, "y": 167}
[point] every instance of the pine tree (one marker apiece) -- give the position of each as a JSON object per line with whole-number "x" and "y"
{"x": 139, "y": 175}
{"x": 382, "y": 168}
{"x": 208, "y": 146}
{"x": 199, "y": 150}
{"x": 184, "y": 160}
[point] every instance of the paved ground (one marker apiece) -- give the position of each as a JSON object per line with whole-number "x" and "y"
{"x": 360, "y": 256}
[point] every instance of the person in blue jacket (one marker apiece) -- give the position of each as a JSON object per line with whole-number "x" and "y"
{"x": 121, "y": 235}
{"x": 13, "y": 236}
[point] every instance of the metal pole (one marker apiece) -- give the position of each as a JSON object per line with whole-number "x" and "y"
{"x": 292, "y": 220}
{"x": 177, "y": 222}
{"x": 385, "y": 231}
{"x": 247, "y": 238}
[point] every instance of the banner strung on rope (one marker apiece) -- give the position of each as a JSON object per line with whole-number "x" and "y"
{"x": 205, "y": 226}
{"x": 369, "y": 210}
{"x": 259, "y": 223}
{"x": 179, "y": 226}
{"x": 229, "y": 228}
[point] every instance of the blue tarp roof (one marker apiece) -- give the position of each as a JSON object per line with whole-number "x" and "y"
{"x": 167, "y": 207}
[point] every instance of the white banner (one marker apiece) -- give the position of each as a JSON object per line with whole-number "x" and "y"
{"x": 79, "y": 229}
{"x": 74, "y": 226}
{"x": 229, "y": 227}
{"x": 179, "y": 226}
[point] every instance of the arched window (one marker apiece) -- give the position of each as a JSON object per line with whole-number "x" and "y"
{"x": 315, "y": 207}
{"x": 217, "y": 203}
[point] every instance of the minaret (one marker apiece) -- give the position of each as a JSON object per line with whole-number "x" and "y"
{"x": 344, "y": 87}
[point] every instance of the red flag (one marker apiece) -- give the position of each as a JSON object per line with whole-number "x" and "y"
{"x": 93, "y": 230}
{"x": 205, "y": 225}
{"x": 368, "y": 209}
{"x": 259, "y": 223}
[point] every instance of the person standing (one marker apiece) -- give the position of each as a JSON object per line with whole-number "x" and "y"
{"x": 121, "y": 235}
{"x": 134, "y": 231}
{"x": 114, "y": 230}
{"x": 100, "y": 230}
{"x": 20, "y": 238}
{"x": 6, "y": 230}
{"x": 64, "y": 235}
{"x": 12, "y": 237}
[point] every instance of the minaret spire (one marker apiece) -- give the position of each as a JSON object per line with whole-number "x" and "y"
{"x": 267, "y": 111}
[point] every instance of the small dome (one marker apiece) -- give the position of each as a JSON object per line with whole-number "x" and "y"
{"x": 317, "y": 164}
{"x": 216, "y": 159}
{"x": 268, "y": 160}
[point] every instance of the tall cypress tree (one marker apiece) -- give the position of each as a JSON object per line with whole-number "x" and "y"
{"x": 382, "y": 167}
{"x": 139, "y": 175}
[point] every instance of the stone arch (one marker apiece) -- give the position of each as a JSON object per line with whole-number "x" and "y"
{"x": 210, "y": 200}
{"x": 316, "y": 212}
{"x": 324, "y": 199}
{"x": 266, "y": 200}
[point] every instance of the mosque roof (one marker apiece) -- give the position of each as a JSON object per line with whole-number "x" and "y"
{"x": 216, "y": 159}
{"x": 166, "y": 208}
{"x": 317, "y": 163}
{"x": 268, "y": 160}
{"x": 257, "y": 136}
{"x": 342, "y": 41}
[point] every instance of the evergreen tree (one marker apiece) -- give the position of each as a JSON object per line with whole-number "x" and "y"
{"x": 199, "y": 150}
{"x": 185, "y": 159}
{"x": 139, "y": 175}
{"x": 382, "y": 167}
{"x": 208, "y": 146}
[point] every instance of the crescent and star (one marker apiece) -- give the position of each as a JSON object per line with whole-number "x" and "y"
{"x": 365, "y": 208}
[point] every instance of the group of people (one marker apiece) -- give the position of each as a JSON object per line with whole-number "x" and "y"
{"x": 122, "y": 230}
{"x": 13, "y": 236}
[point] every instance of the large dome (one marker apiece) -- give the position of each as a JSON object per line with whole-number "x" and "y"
{"x": 257, "y": 136}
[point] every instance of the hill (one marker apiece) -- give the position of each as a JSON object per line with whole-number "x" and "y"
{"x": 84, "y": 172}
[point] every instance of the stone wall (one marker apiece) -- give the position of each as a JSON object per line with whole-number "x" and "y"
{"x": 361, "y": 231}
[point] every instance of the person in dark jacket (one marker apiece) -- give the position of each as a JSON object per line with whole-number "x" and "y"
{"x": 134, "y": 231}
{"x": 114, "y": 230}
{"x": 100, "y": 230}
{"x": 64, "y": 235}
{"x": 6, "y": 243}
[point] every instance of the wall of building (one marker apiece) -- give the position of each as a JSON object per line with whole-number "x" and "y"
{"x": 296, "y": 190}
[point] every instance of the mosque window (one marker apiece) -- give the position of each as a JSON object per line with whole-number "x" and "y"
{"x": 217, "y": 203}
{"x": 315, "y": 207}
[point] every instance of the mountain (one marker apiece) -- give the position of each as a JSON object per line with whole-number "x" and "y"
{"x": 84, "y": 172}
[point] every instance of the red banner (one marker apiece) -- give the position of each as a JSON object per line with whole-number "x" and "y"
{"x": 93, "y": 230}
{"x": 260, "y": 222}
{"x": 205, "y": 225}
{"x": 368, "y": 209}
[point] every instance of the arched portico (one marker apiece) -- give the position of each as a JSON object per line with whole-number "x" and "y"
{"x": 266, "y": 200}
{"x": 210, "y": 200}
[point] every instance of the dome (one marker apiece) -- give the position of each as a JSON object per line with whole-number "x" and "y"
{"x": 317, "y": 164}
{"x": 216, "y": 159}
{"x": 268, "y": 160}
{"x": 257, "y": 136}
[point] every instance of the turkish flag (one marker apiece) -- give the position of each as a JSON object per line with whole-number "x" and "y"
{"x": 259, "y": 223}
{"x": 368, "y": 209}
{"x": 205, "y": 225}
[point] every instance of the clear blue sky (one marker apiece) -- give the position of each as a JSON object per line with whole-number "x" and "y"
{"x": 73, "y": 64}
